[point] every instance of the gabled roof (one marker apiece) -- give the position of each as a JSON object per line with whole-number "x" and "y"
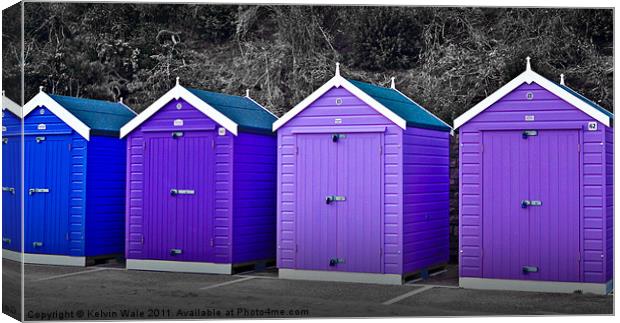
{"x": 413, "y": 113}
{"x": 390, "y": 102}
{"x": 529, "y": 76}
{"x": 83, "y": 115}
{"x": 229, "y": 111}
{"x": 10, "y": 105}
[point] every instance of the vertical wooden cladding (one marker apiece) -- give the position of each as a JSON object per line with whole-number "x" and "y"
{"x": 563, "y": 137}
{"x": 426, "y": 188}
{"x": 609, "y": 202}
{"x": 11, "y": 179}
{"x": 325, "y": 113}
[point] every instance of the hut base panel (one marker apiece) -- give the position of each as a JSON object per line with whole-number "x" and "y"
{"x": 536, "y": 285}
{"x": 179, "y": 266}
{"x": 339, "y": 276}
{"x": 11, "y": 255}
{"x": 55, "y": 260}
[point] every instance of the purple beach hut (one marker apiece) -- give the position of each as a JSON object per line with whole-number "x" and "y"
{"x": 201, "y": 183}
{"x": 363, "y": 186}
{"x": 536, "y": 190}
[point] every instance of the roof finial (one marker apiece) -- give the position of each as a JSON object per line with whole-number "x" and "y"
{"x": 528, "y": 66}
{"x": 120, "y": 100}
{"x": 40, "y": 88}
{"x": 562, "y": 79}
{"x": 393, "y": 84}
{"x": 337, "y": 68}
{"x": 3, "y": 93}
{"x": 247, "y": 93}
{"x": 178, "y": 78}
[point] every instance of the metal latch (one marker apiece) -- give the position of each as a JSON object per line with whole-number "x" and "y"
{"x": 8, "y": 189}
{"x": 337, "y": 136}
{"x": 174, "y": 252}
{"x": 39, "y": 139}
{"x": 529, "y": 133}
{"x": 529, "y": 269}
{"x": 334, "y": 261}
{"x": 38, "y": 190}
{"x": 333, "y": 198}
{"x": 175, "y": 191}
{"x": 5, "y": 140}
{"x": 177, "y": 134}
{"x": 526, "y": 203}
{"x": 37, "y": 244}
{"x": 6, "y": 240}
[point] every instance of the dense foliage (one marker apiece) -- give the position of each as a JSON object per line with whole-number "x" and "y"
{"x": 447, "y": 59}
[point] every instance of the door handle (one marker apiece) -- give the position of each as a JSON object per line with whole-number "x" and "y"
{"x": 333, "y": 198}
{"x": 525, "y": 203}
{"x": 177, "y": 134}
{"x": 176, "y": 191}
{"x": 8, "y": 189}
{"x": 6, "y": 240}
{"x": 174, "y": 252}
{"x": 38, "y": 190}
{"x": 334, "y": 261}
{"x": 37, "y": 244}
{"x": 529, "y": 269}
{"x": 39, "y": 139}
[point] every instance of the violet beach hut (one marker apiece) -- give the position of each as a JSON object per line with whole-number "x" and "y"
{"x": 201, "y": 183}
{"x": 11, "y": 183}
{"x": 73, "y": 179}
{"x": 536, "y": 190}
{"x": 363, "y": 185}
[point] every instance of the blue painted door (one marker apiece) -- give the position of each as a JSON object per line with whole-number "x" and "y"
{"x": 11, "y": 215}
{"x": 47, "y": 170}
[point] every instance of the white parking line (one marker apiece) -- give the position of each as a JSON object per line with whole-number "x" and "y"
{"x": 70, "y": 274}
{"x": 227, "y": 283}
{"x": 403, "y": 296}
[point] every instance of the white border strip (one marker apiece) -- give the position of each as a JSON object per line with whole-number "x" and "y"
{"x": 70, "y": 274}
{"x": 535, "y": 285}
{"x": 179, "y": 266}
{"x": 13, "y": 107}
{"x": 56, "y": 260}
{"x": 12, "y": 255}
{"x": 340, "y": 276}
{"x": 176, "y": 93}
{"x": 42, "y": 99}
{"x": 528, "y": 77}
{"x": 407, "y": 295}
{"x": 338, "y": 81}
{"x": 227, "y": 283}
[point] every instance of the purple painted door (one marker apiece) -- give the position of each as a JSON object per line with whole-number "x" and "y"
{"x": 178, "y": 201}
{"x": 539, "y": 241}
{"x": 344, "y": 234}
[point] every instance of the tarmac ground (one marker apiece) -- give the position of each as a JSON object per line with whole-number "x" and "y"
{"x": 109, "y": 291}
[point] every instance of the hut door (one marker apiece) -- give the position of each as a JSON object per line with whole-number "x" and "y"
{"x": 11, "y": 215}
{"x": 47, "y": 194}
{"x": 339, "y": 202}
{"x": 531, "y": 205}
{"x": 178, "y": 203}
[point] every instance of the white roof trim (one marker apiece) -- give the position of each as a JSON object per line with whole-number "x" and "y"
{"x": 174, "y": 94}
{"x": 260, "y": 105}
{"x": 432, "y": 114}
{"x": 42, "y": 99}
{"x": 528, "y": 77}
{"x": 338, "y": 81}
{"x": 10, "y": 105}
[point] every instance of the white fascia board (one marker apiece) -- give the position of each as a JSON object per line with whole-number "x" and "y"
{"x": 128, "y": 108}
{"x": 260, "y": 105}
{"x": 530, "y": 77}
{"x": 10, "y": 105}
{"x": 176, "y": 93}
{"x": 339, "y": 81}
{"x": 423, "y": 108}
{"x": 44, "y": 100}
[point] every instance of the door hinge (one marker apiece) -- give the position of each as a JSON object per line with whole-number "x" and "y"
{"x": 481, "y": 147}
{"x": 579, "y": 257}
{"x": 296, "y": 248}
{"x": 380, "y": 149}
{"x": 141, "y": 239}
{"x": 296, "y": 150}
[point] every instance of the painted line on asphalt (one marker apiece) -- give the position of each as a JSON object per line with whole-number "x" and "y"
{"x": 257, "y": 276}
{"x": 69, "y": 274}
{"x": 406, "y": 295}
{"x": 227, "y": 283}
{"x": 436, "y": 286}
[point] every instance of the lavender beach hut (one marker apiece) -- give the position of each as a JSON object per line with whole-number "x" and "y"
{"x": 201, "y": 183}
{"x": 363, "y": 185}
{"x": 536, "y": 190}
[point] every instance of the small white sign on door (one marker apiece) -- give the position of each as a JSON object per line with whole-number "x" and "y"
{"x": 337, "y": 121}
{"x": 42, "y": 126}
{"x": 178, "y": 122}
{"x": 529, "y": 118}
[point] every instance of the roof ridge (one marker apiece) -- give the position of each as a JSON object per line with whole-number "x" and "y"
{"x": 83, "y": 98}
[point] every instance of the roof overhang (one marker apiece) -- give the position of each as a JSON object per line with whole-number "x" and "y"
{"x": 44, "y": 100}
{"x": 530, "y": 77}
{"x": 339, "y": 81}
{"x": 179, "y": 92}
{"x": 432, "y": 114}
{"x": 13, "y": 107}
